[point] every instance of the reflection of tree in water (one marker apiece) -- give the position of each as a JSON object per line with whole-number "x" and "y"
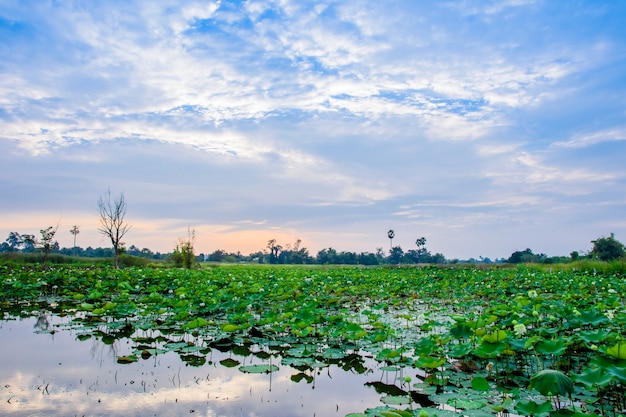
{"x": 43, "y": 322}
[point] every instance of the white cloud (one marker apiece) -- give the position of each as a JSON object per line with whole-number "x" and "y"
{"x": 583, "y": 140}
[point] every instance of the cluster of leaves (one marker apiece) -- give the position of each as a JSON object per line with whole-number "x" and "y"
{"x": 481, "y": 341}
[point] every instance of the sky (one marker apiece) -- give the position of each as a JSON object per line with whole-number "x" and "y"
{"x": 486, "y": 127}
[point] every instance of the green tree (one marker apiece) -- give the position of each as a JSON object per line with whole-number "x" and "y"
{"x": 395, "y": 255}
{"x": 47, "y": 243}
{"x": 14, "y": 241}
{"x": 607, "y": 248}
{"x": 183, "y": 255}
{"x": 274, "y": 249}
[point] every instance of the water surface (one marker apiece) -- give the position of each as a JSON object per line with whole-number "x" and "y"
{"x": 45, "y": 370}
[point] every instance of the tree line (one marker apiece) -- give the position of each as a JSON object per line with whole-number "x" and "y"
{"x": 113, "y": 225}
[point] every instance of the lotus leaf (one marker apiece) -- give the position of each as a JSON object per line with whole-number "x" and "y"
{"x": 480, "y": 383}
{"x": 551, "y": 347}
{"x": 592, "y": 378}
{"x": 258, "y": 369}
{"x": 618, "y": 351}
{"x": 127, "y": 359}
{"x": 395, "y": 399}
{"x": 531, "y": 408}
{"x": 551, "y": 382}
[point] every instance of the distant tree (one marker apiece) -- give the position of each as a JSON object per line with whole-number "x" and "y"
{"x": 14, "y": 241}
{"x": 112, "y": 223}
{"x": 366, "y": 258}
{"x": 574, "y": 255}
{"x": 274, "y": 249}
{"x": 29, "y": 243}
{"x": 47, "y": 243}
{"x": 327, "y": 256}
{"x": 299, "y": 255}
{"x": 421, "y": 243}
{"x": 526, "y": 256}
{"x": 607, "y": 248}
{"x": 217, "y": 256}
{"x": 183, "y": 255}
{"x": 395, "y": 255}
{"x": 74, "y": 231}
{"x": 391, "y": 234}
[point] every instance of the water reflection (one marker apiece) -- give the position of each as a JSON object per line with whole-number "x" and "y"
{"x": 47, "y": 370}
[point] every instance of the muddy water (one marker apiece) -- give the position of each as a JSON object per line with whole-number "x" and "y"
{"x": 46, "y": 371}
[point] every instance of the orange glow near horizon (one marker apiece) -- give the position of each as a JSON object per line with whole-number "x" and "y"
{"x": 158, "y": 236}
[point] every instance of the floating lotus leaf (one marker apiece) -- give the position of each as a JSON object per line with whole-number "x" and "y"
{"x": 395, "y": 400}
{"x": 229, "y": 362}
{"x": 429, "y": 362}
{"x": 300, "y": 376}
{"x": 127, "y": 359}
{"x": 196, "y": 323}
{"x": 531, "y": 408}
{"x": 193, "y": 360}
{"x": 258, "y": 369}
{"x": 480, "y": 383}
{"x": 551, "y": 382}
{"x": 229, "y": 327}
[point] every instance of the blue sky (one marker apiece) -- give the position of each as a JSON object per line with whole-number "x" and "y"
{"x": 485, "y": 126}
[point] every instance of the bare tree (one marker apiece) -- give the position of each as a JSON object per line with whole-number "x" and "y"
{"x": 112, "y": 224}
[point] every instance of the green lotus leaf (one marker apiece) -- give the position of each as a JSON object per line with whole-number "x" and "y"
{"x": 496, "y": 336}
{"x": 593, "y": 336}
{"x": 480, "y": 383}
{"x": 592, "y": 378}
{"x": 460, "y": 350}
{"x": 461, "y": 331}
{"x": 229, "y": 327}
{"x": 618, "y": 351}
{"x": 618, "y": 371}
{"x": 531, "y": 408}
{"x": 395, "y": 399}
{"x": 593, "y": 318}
{"x": 127, "y": 359}
{"x": 229, "y": 362}
{"x": 258, "y": 369}
{"x": 196, "y": 323}
{"x": 429, "y": 362}
{"x": 551, "y": 382}
{"x": 551, "y": 347}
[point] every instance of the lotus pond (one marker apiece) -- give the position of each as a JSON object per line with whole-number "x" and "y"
{"x": 334, "y": 341}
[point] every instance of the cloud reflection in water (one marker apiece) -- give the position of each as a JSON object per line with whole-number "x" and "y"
{"x": 57, "y": 375}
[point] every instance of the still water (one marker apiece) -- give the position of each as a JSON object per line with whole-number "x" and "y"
{"x": 45, "y": 370}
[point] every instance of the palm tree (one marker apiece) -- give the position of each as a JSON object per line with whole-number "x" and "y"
{"x": 391, "y": 234}
{"x": 74, "y": 230}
